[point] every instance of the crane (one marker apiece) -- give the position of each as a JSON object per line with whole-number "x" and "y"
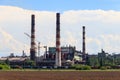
{"x": 38, "y": 46}
{"x": 37, "y": 41}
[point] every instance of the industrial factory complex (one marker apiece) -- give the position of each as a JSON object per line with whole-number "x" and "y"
{"x": 57, "y": 56}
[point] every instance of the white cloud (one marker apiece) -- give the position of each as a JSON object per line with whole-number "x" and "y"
{"x": 102, "y": 28}
{"x": 10, "y": 44}
{"x": 111, "y": 42}
{"x": 69, "y": 38}
{"x": 93, "y": 44}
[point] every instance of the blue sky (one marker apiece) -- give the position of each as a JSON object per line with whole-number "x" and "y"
{"x": 63, "y": 5}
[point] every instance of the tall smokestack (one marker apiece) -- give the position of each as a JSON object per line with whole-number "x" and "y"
{"x": 83, "y": 45}
{"x": 58, "y": 49}
{"x": 33, "y": 44}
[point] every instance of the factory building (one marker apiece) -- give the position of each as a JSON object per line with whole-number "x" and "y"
{"x": 68, "y": 56}
{"x": 67, "y": 53}
{"x": 15, "y": 61}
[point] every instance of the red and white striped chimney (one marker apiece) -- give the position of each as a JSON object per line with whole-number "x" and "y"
{"x": 33, "y": 44}
{"x": 58, "y": 48}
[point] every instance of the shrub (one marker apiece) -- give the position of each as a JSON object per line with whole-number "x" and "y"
{"x": 86, "y": 67}
{"x": 72, "y": 67}
{"x": 82, "y": 67}
{"x": 103, "y": 68}
{"x": 4, "y": 67}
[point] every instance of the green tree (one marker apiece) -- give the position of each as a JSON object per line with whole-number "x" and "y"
{"x": 93, "y": 61}
{"x": 30, "y": 63}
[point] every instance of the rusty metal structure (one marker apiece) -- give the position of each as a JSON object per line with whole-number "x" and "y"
{"x": 58, "y": 48}
{"x": 33, "y": 44}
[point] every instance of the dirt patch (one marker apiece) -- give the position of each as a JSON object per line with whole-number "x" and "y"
{"x": 59, "y": 75}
